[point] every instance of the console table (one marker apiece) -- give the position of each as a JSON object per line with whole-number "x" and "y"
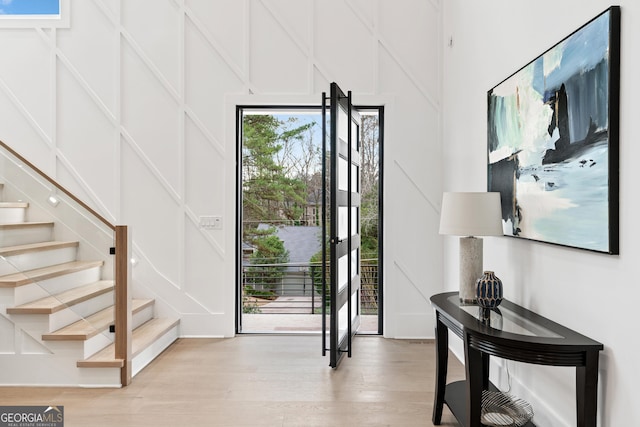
{"x": 510, "y": 332}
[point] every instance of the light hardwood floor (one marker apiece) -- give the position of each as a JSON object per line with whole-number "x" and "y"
{"x": 262, "y": 380}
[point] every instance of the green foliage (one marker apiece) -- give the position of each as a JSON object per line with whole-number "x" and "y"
{"x": 269, "y": 249}
{"x": 249, "y": 306}
{"x": 251, "y": 292}
{"x": 263, "y": 274}
{"x": 270, "y": 193}
{"x": 316, "y": 277}
{"x": 369, "y": 224}
{"x": 369, "y": 247}
{"x": 316, "y": 272}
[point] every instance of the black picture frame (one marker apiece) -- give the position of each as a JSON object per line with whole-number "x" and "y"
{"x": 553, "y": 141}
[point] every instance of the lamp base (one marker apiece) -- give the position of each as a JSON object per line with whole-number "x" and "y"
{"x": 470, "y": 268}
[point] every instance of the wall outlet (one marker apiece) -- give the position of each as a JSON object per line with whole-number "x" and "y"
{"x": 211, "y": 222}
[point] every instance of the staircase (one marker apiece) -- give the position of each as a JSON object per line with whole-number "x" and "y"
{"x": 56, "y": 311}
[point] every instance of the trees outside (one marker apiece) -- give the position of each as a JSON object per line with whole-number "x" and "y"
{"x": 277, "y": 159}
{"x": 272, "y": 192}
{"x": 369, "y": 179}
{"x": 267, "y": 269}
{"x": 281, "y": 173}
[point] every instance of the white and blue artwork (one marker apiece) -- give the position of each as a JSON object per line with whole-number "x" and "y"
{"x": 553, "y": 141}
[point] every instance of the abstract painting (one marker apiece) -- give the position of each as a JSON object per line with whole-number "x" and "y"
{"x": 553, "y": 141}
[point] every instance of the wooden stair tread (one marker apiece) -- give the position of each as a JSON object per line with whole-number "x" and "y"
{"x": 148, "y": 332}
{"x": 31, "y": 276}
{"x": 54, "y": 303}
{"x": 142, "y": 337}
{"x": 91, "y": 326}
{"x": 13, "y": 225}
{"x": 35, "y": 247}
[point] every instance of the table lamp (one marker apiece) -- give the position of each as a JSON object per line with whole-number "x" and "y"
{"x": 470, "y": 215}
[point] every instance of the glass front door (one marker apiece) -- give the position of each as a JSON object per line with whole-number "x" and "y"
{"x": 341, "y": 273}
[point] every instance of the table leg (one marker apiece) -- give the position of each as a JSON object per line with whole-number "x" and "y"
{"x": 442, "y": 358}
{"x": 587, "y": 391}
{"x": 485, "y": 371}
{"x": 477, "y": 372}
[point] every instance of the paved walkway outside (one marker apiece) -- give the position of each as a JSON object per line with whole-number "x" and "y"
{"x": 297, "y": 323}
{"x": 294, "y": 314}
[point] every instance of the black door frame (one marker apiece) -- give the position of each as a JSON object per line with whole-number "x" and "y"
{"x": 238, "y": 184}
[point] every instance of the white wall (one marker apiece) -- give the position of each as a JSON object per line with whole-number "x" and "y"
{"x": 591, "y": 293}
{"x": 131, "y": 108}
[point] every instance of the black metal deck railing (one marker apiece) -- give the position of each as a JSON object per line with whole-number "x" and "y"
{"x": 296, "y": 288}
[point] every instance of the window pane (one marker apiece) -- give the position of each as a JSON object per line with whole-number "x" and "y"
{"x": 29, "y": 7}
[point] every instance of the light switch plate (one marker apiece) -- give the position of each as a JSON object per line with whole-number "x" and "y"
{"x": 211, "y": 222}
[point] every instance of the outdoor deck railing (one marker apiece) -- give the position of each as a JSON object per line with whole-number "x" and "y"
{"x": 295, "y": 288}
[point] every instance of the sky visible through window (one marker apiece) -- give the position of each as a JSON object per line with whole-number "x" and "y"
{"x": 29, "y": 7}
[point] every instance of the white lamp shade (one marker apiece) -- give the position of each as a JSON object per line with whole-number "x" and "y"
{"x": 471, "y": 214}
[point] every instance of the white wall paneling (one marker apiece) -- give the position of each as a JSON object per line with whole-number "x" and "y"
{"x": 132, "y": 108}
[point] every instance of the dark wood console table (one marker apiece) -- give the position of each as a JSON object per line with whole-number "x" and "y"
{"x": 510, "y": 332}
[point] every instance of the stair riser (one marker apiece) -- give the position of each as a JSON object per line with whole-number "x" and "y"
{"x": 22, "y": 295}
{"x": 47, "y": 323}
{"x": 12, "y": 215}
{"x": 146, "y": 356}
{"x": 63, "y": 283}
{"x": 82, "y": 349}
{"x": 142, "y": 316}
{"x": 23, "y": 236}
{"x": 96, "y": 343}
{"x": 79, "y": 311}
{"x": 100, "y": 341}
{"x": 33, "y": 260}
{"x": 99, "y": 377}
{"x": 11, "y": 297}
